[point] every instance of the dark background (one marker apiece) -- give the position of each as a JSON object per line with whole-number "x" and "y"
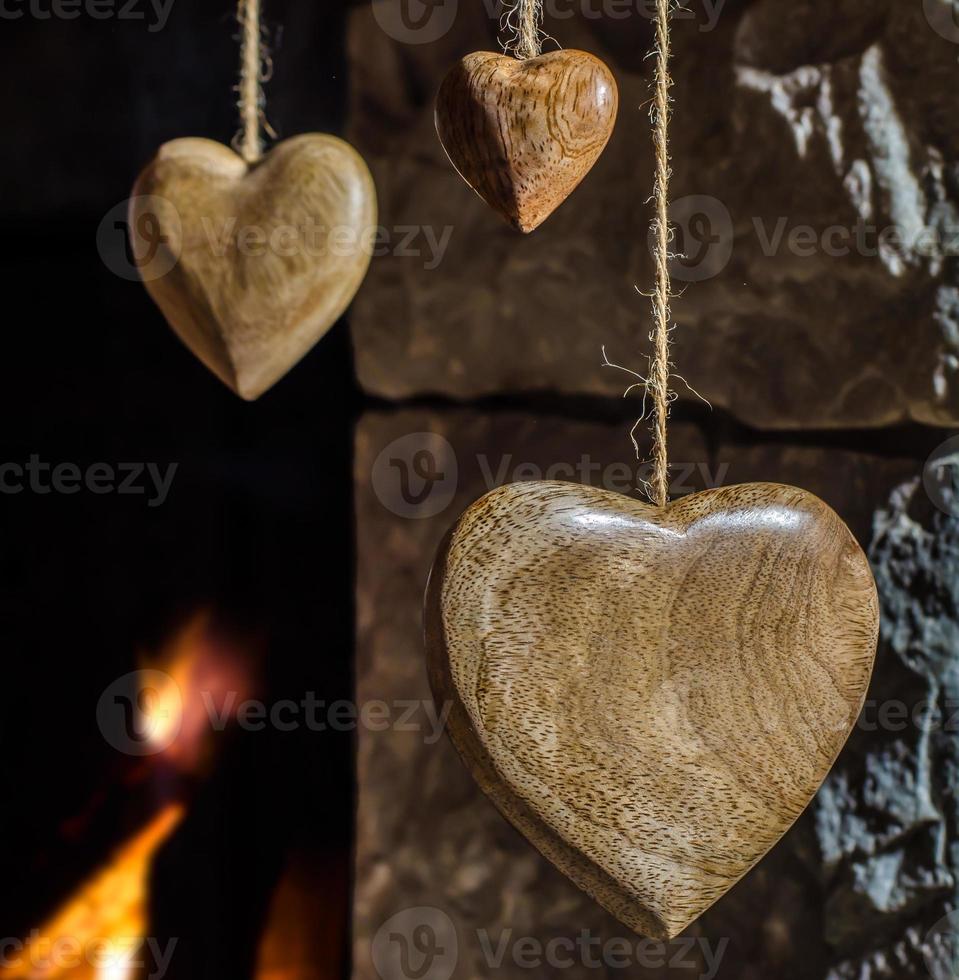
{"x": 256, "y": 527}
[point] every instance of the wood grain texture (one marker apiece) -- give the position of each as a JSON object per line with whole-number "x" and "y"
{"x": 256, "y": 263}
{"x": 652, "y": 696}
{"x": 523, "y": 134}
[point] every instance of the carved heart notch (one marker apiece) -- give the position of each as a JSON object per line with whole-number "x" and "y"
{"x": 523, "y": 134}
{"x": 251, "y": 265}
{"x": 652, "y": 696}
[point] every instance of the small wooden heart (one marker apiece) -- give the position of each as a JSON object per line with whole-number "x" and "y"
{"x": 652, "y": 696}
{"x": 523, "y": 134}
{"x": 252, "y": 265}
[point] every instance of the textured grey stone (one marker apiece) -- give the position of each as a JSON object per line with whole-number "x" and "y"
{"x": 886, "y": 817}
{"x": 818, "y": 113}
{"x": 426, "y": 836}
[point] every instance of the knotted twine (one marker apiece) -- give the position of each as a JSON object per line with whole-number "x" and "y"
{"x": 523, "y": 20}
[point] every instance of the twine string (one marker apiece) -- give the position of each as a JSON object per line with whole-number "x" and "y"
{"x": 250, "y": 89}
{"x": 523, "y": 21}
{"x": 658, "y": 379}
{"x": 657, "y": 395}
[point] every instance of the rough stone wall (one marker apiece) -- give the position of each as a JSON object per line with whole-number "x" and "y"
{"x": 801, "y": 131}
{"x": 886, "y": 817}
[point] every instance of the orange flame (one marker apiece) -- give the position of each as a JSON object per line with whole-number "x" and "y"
{"x": 93, "y": 935}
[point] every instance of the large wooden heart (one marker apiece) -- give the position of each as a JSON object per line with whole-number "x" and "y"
{"x": 652, "y": 696}
{"x": 523, "y": 134}
{"x": 252, "y": 265}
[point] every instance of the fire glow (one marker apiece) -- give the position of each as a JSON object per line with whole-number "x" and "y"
{"x": 101, "y": 932}
{"x": 98, "y": 933}
{"x": 204, "y": 672}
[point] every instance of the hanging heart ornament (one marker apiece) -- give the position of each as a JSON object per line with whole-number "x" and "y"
{"x": 524, "y": 133}
{"x": 652, "y": 695}
{"x": 252, "y": 263}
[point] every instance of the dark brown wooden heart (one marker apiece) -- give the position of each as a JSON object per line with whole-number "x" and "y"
{"x": 651, "y": 695}
{"x": 523, "y": 134}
